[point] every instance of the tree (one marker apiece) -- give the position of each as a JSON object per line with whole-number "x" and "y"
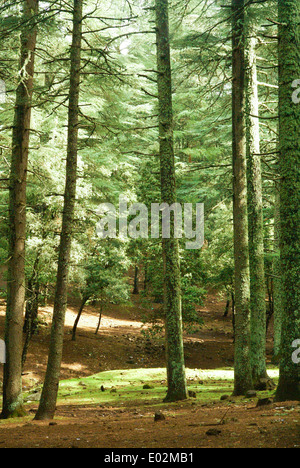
{"x": 255, "y": 213}
{"x": 289, "y": 164}
{"x": 278, "y": 287}
{"x": 104, "y": 278}
{"x": 12, "y": 386}
{"x": 47, "y": 405}
{"x": 242, "y": 366}
{"x": 172, "y": 291}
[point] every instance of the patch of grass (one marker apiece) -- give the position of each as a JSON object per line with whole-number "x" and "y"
{"x": 125, "y": 387}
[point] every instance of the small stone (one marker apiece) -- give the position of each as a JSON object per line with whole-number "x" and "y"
{"x": 224, "y": 397}
{"x": 264, "y": 402}
{"x": 213, "y": 432}
{"x": 147, "y": 387}
{"x": 159, "y": 416}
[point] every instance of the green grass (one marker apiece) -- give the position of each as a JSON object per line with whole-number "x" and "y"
{"x": 127, "y": 386}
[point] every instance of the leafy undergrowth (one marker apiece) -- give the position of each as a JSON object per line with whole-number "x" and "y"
{"x": 137, "y": 386}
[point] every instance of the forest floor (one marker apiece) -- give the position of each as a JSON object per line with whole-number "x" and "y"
{"x": 115, "y": 418}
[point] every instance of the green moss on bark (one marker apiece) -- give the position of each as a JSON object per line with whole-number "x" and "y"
{"x": 172, "y": 291}
{"x": 289, "y": 149}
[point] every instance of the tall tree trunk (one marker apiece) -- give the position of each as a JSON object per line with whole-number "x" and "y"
{"x": 99, "y": 320}
{"x": 12, "y": 385}
{"x": 32, "y": 307}
{"x": 242, "y": 366}
{"x": 136, "y": 280}
{"x": 47, "y": 405}
{"x": 289, "y": 163}
{"x": 84, "y": 301}
{"x": 255, "y": 216}
{"x": 277, "y": 280}
{"x": 172, "y": 290}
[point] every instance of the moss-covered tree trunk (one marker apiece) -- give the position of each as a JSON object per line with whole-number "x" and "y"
{"x": 289, "y": 163}
{"x": 277, "y": 279}
{"x": 242, "y": 366}
{"x": 172, "y": 290}
{"x": 255, "y": 215}
{"x": 47, "y": 405}
{"x": 12, "y": 385}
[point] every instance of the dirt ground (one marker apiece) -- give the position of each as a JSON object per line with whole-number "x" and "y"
{"x": 120, "y": 345}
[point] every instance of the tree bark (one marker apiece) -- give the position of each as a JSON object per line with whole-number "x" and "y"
{"x": 136, "y": 280}
{"x": 172, "y": 290}
{"x": 277, "y": 280}
{"x": 12, "y": 385}
{"x": 289, "y": 163}
{"x": 84, "y": 301}
{"x": 32, "y": 308}
{"x": 99, "y": 320}
{"x": 47, "y": 405}
{"x": 242, "y": 366}
{"x": 255, "y": 216}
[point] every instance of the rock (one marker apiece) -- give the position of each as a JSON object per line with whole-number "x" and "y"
{"x": 147, "y": 387}
{"x": 159, "y": 416}
{"x": 265, "y": 384}
{"x": 224, "y": 397}
{"x": 213, "y": 432}
{"x": 251, "y": 394}
{"x": 264, "y": 402}
{"x": 34, "y": 397}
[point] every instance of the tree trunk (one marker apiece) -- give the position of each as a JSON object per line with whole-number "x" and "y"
{"x": 84, "y": 301}
{"x": 255, "y": 217}
{"x": 12, "y": 385}
{"x": 289, "y": 163}
{"x": 242, "y": 367}
{"x": 32, "y": 308}
{"x": 277, "y": 280}
{"x": 172, "y": 291}
{"x": 99, "y": 321}
{"x": 136, "y": 280}
{"x": 50, "y": 388}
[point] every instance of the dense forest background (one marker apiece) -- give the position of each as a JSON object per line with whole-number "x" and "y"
{"x": 86, "y": 100}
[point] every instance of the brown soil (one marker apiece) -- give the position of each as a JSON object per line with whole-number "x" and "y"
{"x": 120, "y": 345}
